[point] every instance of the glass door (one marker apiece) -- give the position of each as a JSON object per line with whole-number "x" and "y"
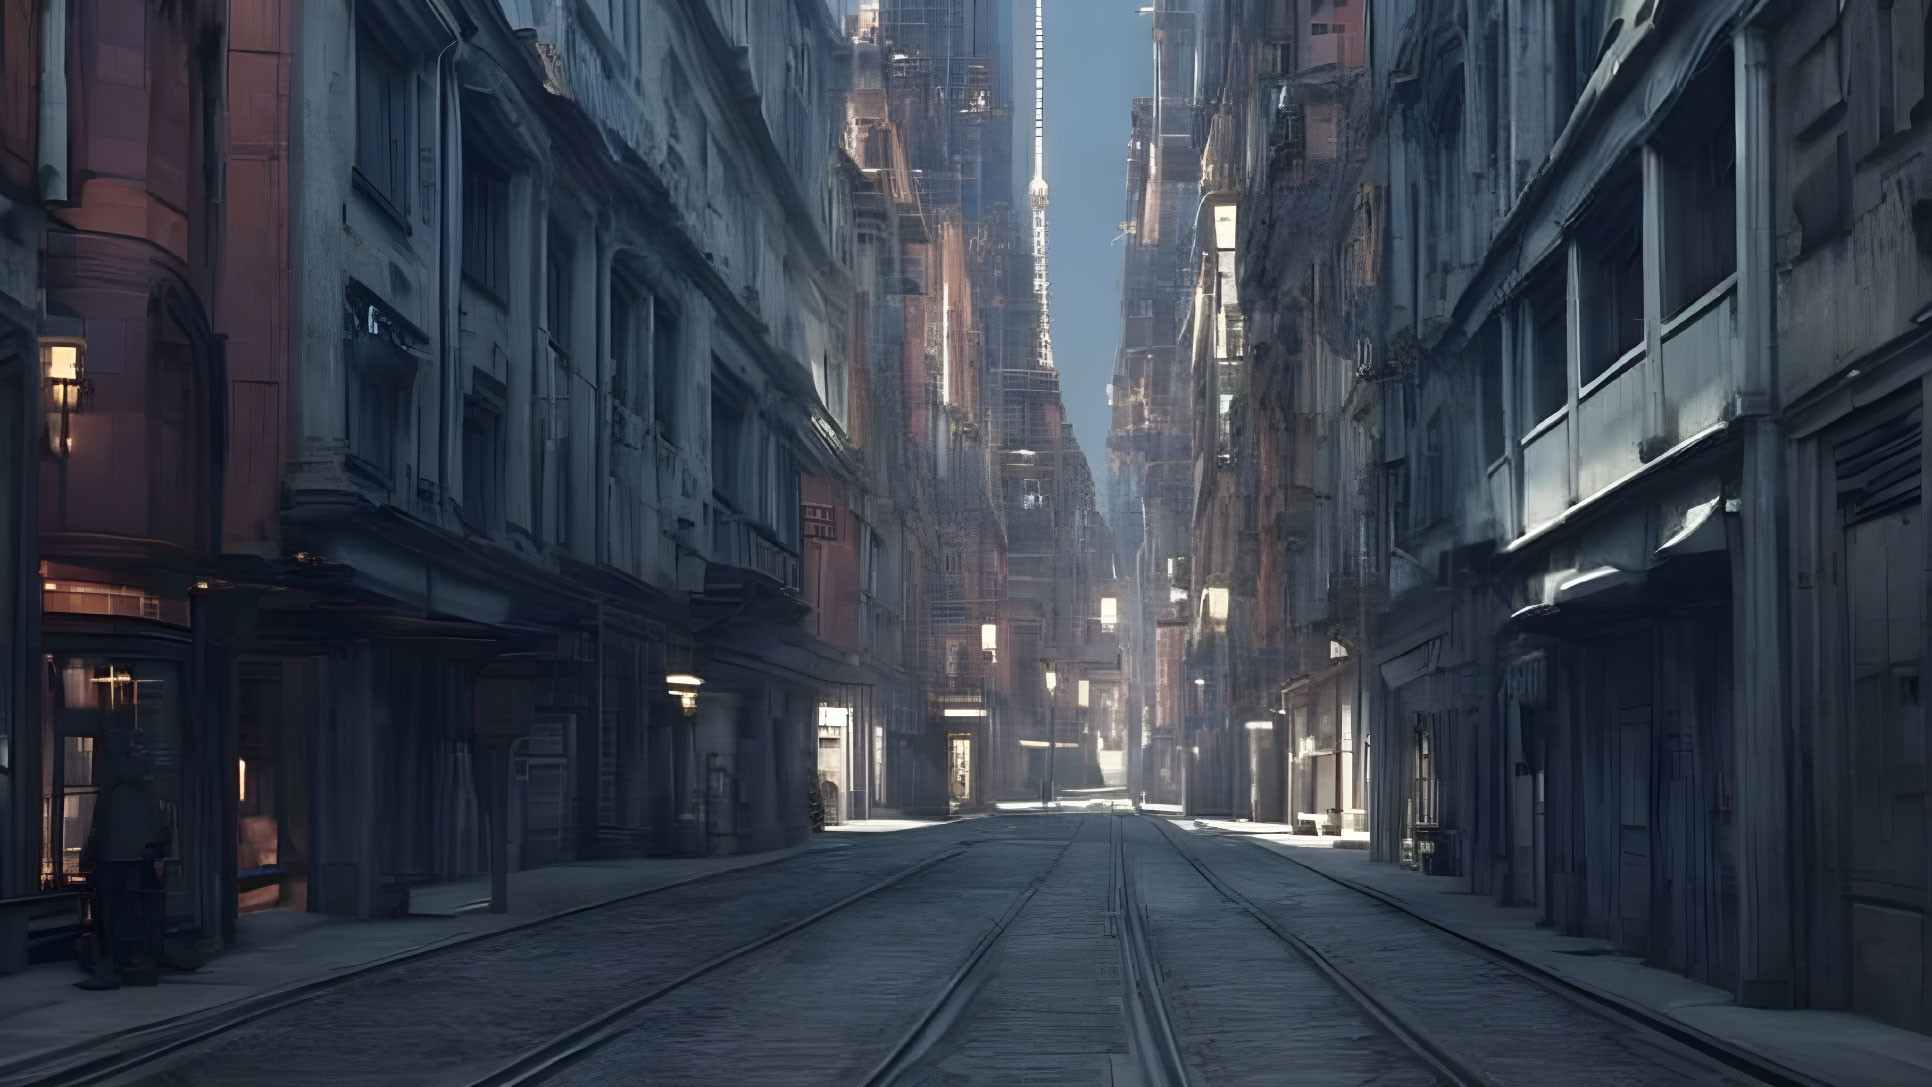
{"x": 93, "y": 703}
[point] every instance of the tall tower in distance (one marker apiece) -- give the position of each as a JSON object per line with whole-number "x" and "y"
{"x": 1037, "y": 191}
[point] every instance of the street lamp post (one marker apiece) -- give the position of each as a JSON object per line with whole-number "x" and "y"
{"x": 1052, "y": 681}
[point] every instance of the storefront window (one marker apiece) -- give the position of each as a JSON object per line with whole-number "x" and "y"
{"x": 92, "y": 704}
{"x": 66, "y": 597}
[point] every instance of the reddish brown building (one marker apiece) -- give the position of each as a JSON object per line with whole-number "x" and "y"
{"x": 20, "y": 436}
{"x": 131, "y": 472}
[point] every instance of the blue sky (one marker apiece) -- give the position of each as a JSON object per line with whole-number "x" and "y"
{"x": 1099, "y": 59}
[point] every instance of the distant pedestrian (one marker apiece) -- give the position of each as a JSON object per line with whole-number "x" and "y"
{"x": 129, "y": 844}
{"x": 816, "y": 805}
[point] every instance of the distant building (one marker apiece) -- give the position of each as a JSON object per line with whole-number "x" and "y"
{"x": 1150, "y": 444}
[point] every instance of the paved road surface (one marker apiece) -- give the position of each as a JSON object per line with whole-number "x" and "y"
{"x": 996, "y": 951}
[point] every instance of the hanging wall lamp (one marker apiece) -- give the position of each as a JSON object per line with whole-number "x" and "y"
{"x": 63, "y": 367}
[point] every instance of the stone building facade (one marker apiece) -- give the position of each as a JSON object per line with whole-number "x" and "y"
{"x": 1557, "y": 520}
{"x": 1150, "y": 445}
{"x": 478, "y": 444}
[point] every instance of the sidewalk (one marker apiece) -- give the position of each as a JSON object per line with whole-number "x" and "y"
{"x": 46, "y": 1023}
{"x": 892, "y": 826}
{"x": 1824, "y": 1046}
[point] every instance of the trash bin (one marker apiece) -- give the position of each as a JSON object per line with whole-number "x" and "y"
{"x": 1428, "y": 839}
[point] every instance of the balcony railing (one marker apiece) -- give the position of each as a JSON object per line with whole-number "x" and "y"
{"x": 1695, "y": 375}
{"x": 741, "y": 543}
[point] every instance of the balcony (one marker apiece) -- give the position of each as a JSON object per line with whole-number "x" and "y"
{"x": 1694, "y": 376}
{"x": 746, "y": 558}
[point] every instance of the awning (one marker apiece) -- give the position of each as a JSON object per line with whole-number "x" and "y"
{"x": 1703, "y": 532}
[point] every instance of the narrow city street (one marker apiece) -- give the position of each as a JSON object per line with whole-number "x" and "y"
{"x": 1072, "y": 543}
{"x": 1047, "y": 948}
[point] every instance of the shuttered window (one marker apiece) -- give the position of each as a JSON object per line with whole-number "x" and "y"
{"x": 1878, "y": 470}
{"x": 382, "y": 121}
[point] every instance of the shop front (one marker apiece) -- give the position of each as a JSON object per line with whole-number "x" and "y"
{"x": 122, "y": 697}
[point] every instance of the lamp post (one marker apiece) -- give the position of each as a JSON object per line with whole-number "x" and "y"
{"x": 64, "y": 363}
{"x": 1082, "y": 692}
{"x": 981, "y": 754}
{"x": 1052, "y": 681}
{"x": 1195, "y": 771}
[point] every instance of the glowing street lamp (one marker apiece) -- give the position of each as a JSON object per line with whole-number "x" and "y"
{"x": 64, "y": 364}
{"x": 684, "y": 687}
{"x": 1052, "y": 681}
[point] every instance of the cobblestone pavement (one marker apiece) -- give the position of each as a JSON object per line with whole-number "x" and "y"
{"x": 985, "y": 952}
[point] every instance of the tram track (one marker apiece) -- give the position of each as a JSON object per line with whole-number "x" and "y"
{"x": 536, "y": 1064}
{"x": 1589, "y": 999}
{"x": 955, "y": 994}
{"x": 1438, "y": 990}
{"x": 438, "y": 1019}
{"x": 1084, "y": 951}
{"x": 1150, "y": 1042}
{"x": 1448, "y": 1068}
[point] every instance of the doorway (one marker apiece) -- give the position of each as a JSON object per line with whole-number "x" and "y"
{"x": 1885, "y": 592}
{"x": 272, "y": 789}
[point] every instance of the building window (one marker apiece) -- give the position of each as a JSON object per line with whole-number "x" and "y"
{"x": 664, "y": 369}
{"x": 1547, "y": 365}
{"x": 1486, "y": 351}
{"x": 483, "y": 453}
{"x": 375, "y": 416}
{"x": 556, "y": 295}
{"x": 1434, "y": 504}
{"x": 566, "y": 477}
{"x": 727, "y": 450}
{"x": 383, "y": 102}
{"x": 1698, "y": 148}
{"x": 486, "y": 224}
{"x": 381, "y": 375}
{"x": 1612, "y": 290}
{"x": 627, "y": 313}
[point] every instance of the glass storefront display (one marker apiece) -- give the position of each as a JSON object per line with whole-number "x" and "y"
{"x": 92, "y": 704}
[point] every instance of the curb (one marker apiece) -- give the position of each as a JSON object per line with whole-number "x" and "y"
{"x": 1727, "y": 1053}
{"x": 85, "y": 1062}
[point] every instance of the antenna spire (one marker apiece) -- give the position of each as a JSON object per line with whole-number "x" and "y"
{"x": 1037, "y": 192}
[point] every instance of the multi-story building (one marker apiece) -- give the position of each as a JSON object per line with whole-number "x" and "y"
{"x": 446, "y": 394}
{"x": 1014, "y": 592}
{"x": 29, "y": 94}
{"x": 1562, "y": 482}
{"x": 128, "y": 450}
{"x": 1150, "y": 445}
{"x": 1564, "y": 705}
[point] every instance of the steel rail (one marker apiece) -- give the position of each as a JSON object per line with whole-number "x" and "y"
{"x": 1446, "y": 1065}
{"x": 1589, "y": 999}
{"x": 539, "y": 1061}
{"x": 1150, "y": 1031}
{"x": 137, "y": 1049}
{"x": 955, "y": 995}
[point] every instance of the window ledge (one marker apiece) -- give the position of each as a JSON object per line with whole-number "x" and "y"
{"x": 485, "y": 291}
{"x": 1706, "y": 302}
{"x": 1546, "y": 425}
{"x": 386, "y": 207}
{"x": 1618, "y": 487}
{"x": 368, "y": 471}
{"x": 1624, "y": 362}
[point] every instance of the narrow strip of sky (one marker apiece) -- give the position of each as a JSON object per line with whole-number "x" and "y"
{"x": 1098, "y": 60}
